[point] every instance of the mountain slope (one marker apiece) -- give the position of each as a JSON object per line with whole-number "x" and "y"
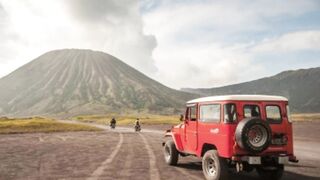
{"x": 77, "y": 82}
{"x": 302, "y": 87}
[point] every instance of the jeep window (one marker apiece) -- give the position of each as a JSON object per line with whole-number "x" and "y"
{"x": 192, "y": 113}
{"x": 230, "y": 113}
{"x": 210, "y": 113}
{"x": 273, "y": 114}
{"x": 251, "y": 111}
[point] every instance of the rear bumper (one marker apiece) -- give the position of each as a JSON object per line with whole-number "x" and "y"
{"x": 257, "y": 160}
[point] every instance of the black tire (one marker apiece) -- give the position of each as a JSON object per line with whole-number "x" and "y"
{"x": 214, "y": 167}
{"x": 171, "y": 154}
{"x": 262, "y": 135}
{"x": 267, "y": 173}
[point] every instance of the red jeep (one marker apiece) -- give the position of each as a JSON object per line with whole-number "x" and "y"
{"x": 240, "y": 132}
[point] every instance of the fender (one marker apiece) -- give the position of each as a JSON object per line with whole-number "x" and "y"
{"x": 176, "y": 139}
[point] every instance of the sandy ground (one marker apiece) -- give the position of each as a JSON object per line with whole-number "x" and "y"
{"x": 124, "y": 154}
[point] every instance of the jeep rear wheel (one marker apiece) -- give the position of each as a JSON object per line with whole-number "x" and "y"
{"x": 267, "y": 173}
{"x": 253, "y": 135}
{"x": 171, "y": 153}
{"x": 214, "y": 167}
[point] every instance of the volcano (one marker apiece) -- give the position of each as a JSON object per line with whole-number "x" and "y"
{"x": 74, "y": 82}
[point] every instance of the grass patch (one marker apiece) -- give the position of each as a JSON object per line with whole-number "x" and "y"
{"x": 306, "y": 117}
{"x": 129, "y": 119}
{"x": 39, "y": 124}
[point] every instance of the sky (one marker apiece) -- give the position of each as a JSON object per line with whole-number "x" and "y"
{"x": 180, "y": 43}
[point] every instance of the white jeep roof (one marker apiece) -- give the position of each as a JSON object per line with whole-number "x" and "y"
{"x": 239, "y": 98}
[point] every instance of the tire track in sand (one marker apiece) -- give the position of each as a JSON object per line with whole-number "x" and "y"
{"x": 98, "y": 172}
{"x": 153, "y": 171}
{"x": 126, "y": 171}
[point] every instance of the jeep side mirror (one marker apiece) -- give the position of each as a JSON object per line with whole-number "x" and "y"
{"x": 181, "y": 117}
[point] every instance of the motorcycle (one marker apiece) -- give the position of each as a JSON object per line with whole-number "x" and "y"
{"x": 137, "y": 128}
{"x": 113, "y": 125}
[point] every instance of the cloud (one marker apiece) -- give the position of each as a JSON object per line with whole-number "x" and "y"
{"x": 224, "y": 16}
{"x": 294, "y": 41}
{"x": 192, "y": 43}
{"x": 199, "y": 66}
{"x": 215, "y": 43}
{"x": 101, "y": 10}
{"x": 32, "y": 27}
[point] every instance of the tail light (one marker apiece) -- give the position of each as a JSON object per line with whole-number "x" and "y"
{"x": 288, "y": 114}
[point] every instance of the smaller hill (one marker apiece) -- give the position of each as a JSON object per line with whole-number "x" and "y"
{"x": 301, "y": 87}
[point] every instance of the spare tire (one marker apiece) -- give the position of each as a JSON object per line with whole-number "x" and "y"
{"x": 253, "y": 135}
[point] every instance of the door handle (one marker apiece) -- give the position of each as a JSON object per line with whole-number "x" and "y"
{"x": 214, "y": 130}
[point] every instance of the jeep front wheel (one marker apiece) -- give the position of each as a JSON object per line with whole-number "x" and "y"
{"x": 214, "y": 167}
{"x": 171, "y": 153}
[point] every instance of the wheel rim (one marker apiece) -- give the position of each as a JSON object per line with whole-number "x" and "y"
{"x": 257, "y": 136}
{"x": 167, "y": 153}
{"x": 211, "y": 166}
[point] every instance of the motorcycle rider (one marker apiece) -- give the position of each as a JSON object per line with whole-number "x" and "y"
{"x": 113, "y": 123}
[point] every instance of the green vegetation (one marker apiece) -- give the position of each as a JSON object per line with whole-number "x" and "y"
{"x": 129, "y": 119}
{"x": 163, "y": 119}
{"x": 39, "y": 124}
{"x": 306, "y": 117}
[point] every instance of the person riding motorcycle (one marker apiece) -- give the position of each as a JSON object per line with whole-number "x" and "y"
{"x": 113, "y": 123}
{"x": 137, "y": 126}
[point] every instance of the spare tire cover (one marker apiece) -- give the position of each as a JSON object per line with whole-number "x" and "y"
{"x": 253, "y": 135}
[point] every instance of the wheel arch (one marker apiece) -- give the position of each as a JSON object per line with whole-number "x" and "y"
{"x": 175, "y": 138}
{"x": 206, "y": 147}
{"x": 166, "y": 137}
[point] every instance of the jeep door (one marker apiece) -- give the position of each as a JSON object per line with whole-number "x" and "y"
{"x": 191, "y": 135}
{"x": 275, "y": 114}
{"x": 209, "y": 127}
